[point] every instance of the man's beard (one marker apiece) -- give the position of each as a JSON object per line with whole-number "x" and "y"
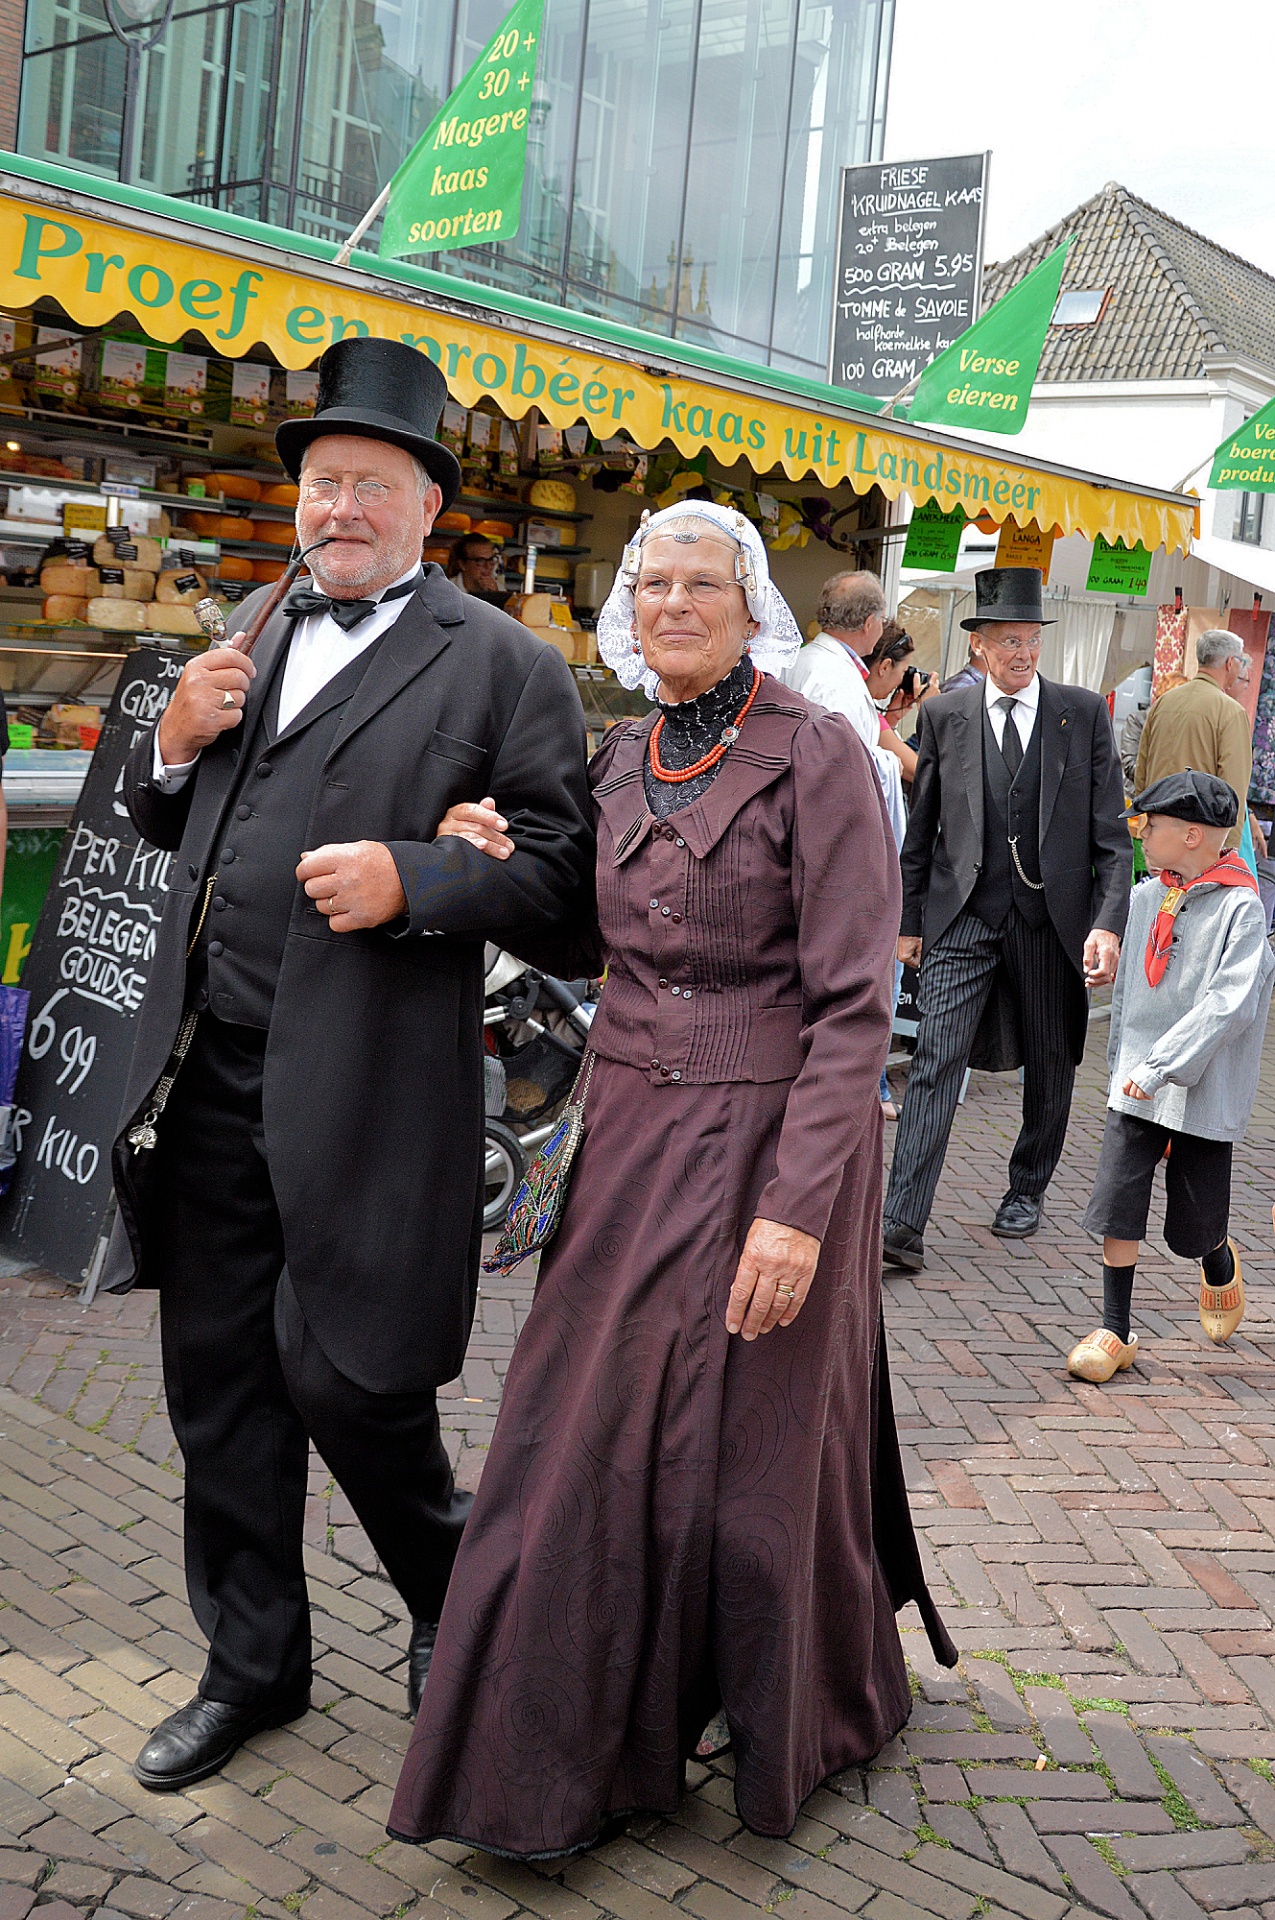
{"x": 388, "y": 558}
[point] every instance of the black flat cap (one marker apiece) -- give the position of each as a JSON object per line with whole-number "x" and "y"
{"x": 1199, "y": 797}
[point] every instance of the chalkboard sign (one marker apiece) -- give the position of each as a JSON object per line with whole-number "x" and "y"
{"x": 87, "y": 973}
{"x": 909, "y": 265}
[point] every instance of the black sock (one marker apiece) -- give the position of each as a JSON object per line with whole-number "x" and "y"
{"x": 1219, "y": 1266}
{"x": 1117, "y": 1295}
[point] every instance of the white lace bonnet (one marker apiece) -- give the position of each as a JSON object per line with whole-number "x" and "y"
{"x": 777, "y": 638}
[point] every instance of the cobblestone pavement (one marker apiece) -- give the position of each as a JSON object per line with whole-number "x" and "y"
{"x": 1105, "y": 1558}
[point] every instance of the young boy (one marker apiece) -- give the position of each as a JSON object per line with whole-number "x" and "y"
{"x": 1188, "y": 1015}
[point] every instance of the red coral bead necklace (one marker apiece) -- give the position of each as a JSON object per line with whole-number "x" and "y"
{"x": 675, "y": 777}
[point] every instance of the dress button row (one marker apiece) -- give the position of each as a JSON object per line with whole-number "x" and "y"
{"x": 677, "y": 919}
{"x": 216, "y": 949}
{"x": 243, "y": 813}
{"x": 665, "y": 912}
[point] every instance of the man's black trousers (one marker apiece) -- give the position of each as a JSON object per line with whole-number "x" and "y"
{"x": 246, "y": 1382}
{"x": 956, "y": 979}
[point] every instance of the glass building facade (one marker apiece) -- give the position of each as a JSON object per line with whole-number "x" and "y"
{"x": 683, "y": 161}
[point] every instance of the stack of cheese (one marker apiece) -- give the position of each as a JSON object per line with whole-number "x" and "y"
{"x": 130, "y": 585}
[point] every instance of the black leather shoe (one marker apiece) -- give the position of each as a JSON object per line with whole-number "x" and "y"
{"x": 901, "y": 1247}
{"x": 420, "y": 1651}
{"x": 1017, "y": 1216}
{"x": 201, "y": 1736}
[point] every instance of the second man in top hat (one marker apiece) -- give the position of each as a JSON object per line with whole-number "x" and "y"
{"x": 1016, "y": 872}
{"x": 309, "y": 1199}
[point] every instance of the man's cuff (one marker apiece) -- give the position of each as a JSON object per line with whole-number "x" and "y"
{"x": 169, "y": 779}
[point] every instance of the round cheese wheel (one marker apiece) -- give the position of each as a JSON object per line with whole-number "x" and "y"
{"x": 279, "y": 533}
{"x": 233, "y": 566}
{"x": 117, "y": 616}
{"x": 268, "y": 571}
{"x": 553, "y": 496}
{"x": 204, "y": 523}
{"x": 235, "y": 486}
{"x": 283, "y": 494}
{"x": 80, "y": 582}
{"x": 438, "y": 555}
{"x": 170, "y": 619}
{"x": 452, "y": 523}
{"x": 494, "y": 529}
{"x": 232, "y": 526}
{"x": 61, "y": 607}
{"x": 169, "y": 592}
{"x": 549, "y": 569}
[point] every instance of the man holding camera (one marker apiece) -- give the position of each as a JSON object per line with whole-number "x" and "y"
{"x": 832, "y": 670}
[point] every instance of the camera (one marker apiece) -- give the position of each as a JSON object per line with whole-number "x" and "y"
{"x": 914, "y": 682}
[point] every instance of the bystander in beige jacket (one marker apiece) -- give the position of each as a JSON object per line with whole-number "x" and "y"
{"x": 1202, "y": 725}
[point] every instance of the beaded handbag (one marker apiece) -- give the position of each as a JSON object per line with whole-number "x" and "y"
{"x": 535, "y": 1212}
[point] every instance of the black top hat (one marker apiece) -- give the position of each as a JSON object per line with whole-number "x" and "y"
{"x": 1007, "y": 593}
{"x": 380, "y": 390}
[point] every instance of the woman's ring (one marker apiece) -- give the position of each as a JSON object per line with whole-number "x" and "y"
{"x": 787, "y": 1292}
{"x": 227, "y": 699}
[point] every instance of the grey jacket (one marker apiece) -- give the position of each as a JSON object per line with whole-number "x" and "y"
{"x": 1195, "y": 1041}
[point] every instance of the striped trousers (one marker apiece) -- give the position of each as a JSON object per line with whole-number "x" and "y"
{"x": 956, "y": 979}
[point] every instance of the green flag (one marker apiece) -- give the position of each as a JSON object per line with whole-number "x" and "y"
{"x": 984, "y": 379}
{"x": 461, "y": 185}
{"x": 1245, "y": 461}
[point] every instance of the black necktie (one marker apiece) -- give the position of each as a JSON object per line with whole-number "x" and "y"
{"x": 346, "y": 613}
{"x": 1011, "y": 743}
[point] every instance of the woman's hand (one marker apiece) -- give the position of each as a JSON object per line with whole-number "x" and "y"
{"x": 478, "y": 822}
{"x": 772, "y": 1279}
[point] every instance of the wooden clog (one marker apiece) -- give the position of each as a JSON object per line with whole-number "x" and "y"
{"x": 1100, "y": 1355}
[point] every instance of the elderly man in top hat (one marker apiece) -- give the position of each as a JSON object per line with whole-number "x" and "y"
{"x": 309, "y": 1199}
{"x": 1016, "y": 871}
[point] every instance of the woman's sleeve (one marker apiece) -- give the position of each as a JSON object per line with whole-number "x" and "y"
{"x": 846, "y": 896}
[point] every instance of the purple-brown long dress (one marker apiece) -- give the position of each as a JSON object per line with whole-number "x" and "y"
{"x": 670, "y": 1519}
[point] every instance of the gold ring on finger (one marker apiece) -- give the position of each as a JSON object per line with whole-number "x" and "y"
{"x": 787, "y": 1292}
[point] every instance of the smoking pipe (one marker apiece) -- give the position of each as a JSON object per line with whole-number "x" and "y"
{"x": 213, "y": 620}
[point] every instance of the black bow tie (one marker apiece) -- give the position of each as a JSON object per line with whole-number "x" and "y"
{"x": 346, "y": 613}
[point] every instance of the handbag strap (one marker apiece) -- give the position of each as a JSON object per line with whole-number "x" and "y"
{"x": 580, "y": 1088}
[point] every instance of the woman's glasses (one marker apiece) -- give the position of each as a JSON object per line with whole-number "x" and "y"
{"x": 653, "y": 589}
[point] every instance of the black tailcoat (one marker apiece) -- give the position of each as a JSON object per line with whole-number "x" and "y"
{"x": 373, "y": 1098}
{"x": 1086, "y": 858}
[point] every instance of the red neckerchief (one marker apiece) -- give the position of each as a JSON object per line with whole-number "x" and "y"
{"x": 1229, "y": 871}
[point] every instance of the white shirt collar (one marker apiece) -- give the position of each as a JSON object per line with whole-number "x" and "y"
{"x": 1028, "y": 699}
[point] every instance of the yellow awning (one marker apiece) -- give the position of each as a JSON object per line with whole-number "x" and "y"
{"x": 176, "y": 276}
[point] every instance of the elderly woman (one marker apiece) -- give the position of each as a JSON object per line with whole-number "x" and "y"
{"x": 693, "y": 1499}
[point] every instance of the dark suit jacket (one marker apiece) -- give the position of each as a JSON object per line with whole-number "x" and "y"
{"x": 373, "y": 1082}
{"x": 1086, "y": 858}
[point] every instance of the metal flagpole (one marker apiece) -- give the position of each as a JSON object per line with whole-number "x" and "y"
{"x": 342, "y": 257}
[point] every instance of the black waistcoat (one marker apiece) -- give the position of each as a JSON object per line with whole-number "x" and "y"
{"x": 1009, "y": 810}
{"x": 236, "y": 960}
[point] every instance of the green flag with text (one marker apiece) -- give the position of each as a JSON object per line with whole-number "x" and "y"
{"x": 1245, "y": 461}
{"x": 461, "y": 185}
{"x": 984, "y": 379}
